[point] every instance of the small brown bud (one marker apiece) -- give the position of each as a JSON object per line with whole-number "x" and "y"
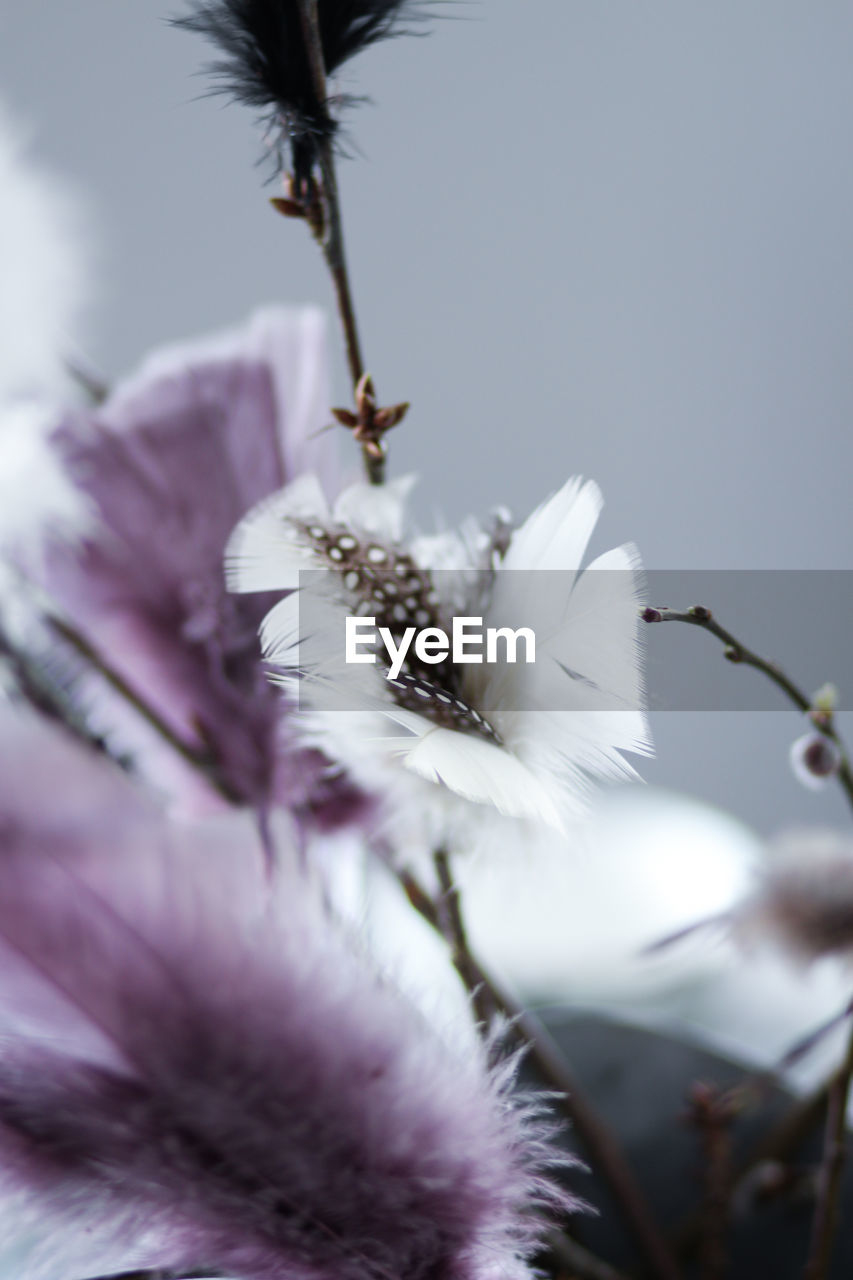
{"x": 287, "y": 208}
{"x": 345, "y": 417}
{"x": 700, "y": 613}
{"x": 701, "y": 1094}
{"x": 364, "y": 391}
{"x": 386, "y": 418}
{"x": 824, "y": 705}
{"x": 814, "y": 759}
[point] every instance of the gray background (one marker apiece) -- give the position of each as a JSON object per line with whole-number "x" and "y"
{"x": 587, "y": 236}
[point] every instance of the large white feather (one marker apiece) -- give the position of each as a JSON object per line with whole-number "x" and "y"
{"x": 556, "y": 534}
{"x": 482, "y": 772}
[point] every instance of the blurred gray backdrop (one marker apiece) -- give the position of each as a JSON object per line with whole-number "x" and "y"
{"x": 587, "y": 236}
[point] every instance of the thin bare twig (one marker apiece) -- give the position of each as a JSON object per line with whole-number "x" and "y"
{"x": 160, "y": 1274}
{"x": 33, "y": 683}
{"x": 194, "y": 756}
{"x": 773, "y": 1147}
{"x": 452, "y": 926}
{"x": 331, "y": 238}
{"x": 832, "y": 1168}
{"x": 778, "y": 1143}
{"x": 711, "y": 1113}
{"x": 92, "y": 384}
{"x": 736, "y": 651}
{"x": 545, "y": 1056}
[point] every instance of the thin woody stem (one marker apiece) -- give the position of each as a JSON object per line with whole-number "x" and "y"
{"x": 332, "y": 238}
{"x": 832, "y": 1167}
{"x": 736, "y": 651}
{"x": 774, "y": 1146}
{"x": 199, "y": 759}
{"x": 62, "y": 630}
{"x": 95, "y": 387}
{"x": 159, "y": 1274}
{"x": 781, "y": 1140}
{"x": 711, "y": 1113}
{"x": 545, "y": 1055}
{"x": 452, "y": 926}
{"x": 34, "y": 685}
{"x": 335, "y": 255}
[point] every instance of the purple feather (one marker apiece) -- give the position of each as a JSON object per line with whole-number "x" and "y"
{"x": 191, "y": 1077}
{"x": 169, "y": 463}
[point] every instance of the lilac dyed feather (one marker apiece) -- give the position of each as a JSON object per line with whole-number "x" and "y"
{"x": 192, "y": 1078}
{"x": 169, "y": 463}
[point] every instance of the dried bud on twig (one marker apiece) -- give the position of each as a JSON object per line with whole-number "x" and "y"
{"x": 815, "y": 759}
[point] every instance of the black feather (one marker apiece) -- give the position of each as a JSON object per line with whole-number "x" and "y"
{"x": 264, "y": 60}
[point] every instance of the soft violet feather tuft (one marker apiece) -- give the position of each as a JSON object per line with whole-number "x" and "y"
{"x": 264, "y": 60}
{"x": 168, "y": 464}
{"x": 192, "y": 1078}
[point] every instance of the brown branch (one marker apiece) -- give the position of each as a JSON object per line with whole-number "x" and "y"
{"x": 832, "y": 1168}
{"x": 95, "y": 388}
{"x": 774, "y": 1146}
{"x": 33, "y": 684}
{"x": 735, "y": 651}
{"x": 711, "y": 1113}
{"x": 452, "y": 926}
{"x": 199, "y": 759}
{"x": 330, "y": 234}
{"x": 544, "y": 1054}
{"x": 778, "y": 1143}
{"x": 207, "y": 1273}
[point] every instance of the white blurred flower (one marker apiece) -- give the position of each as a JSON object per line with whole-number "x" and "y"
{"x": 34, "y": 488}
{"x": 41, "y": 267}
{"x": 525, "y": 739}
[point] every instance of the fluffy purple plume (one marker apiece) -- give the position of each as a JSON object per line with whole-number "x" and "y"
{"x": 169, "y": 463}
{"x": 191, "y": 1078}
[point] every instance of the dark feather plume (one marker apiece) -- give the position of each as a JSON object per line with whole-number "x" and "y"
{"x": 264, "y": 60}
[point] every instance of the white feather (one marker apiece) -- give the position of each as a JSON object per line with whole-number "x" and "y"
{"x": 552, "y": 541}
{"x": 42, "y": 269}
{"x": 482, "y": 772}
{"x": 563, "y": 720}
{"x": 556, "y": 534}
{"x": 266, "y": 552}
{"x": 280, "y": 633}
